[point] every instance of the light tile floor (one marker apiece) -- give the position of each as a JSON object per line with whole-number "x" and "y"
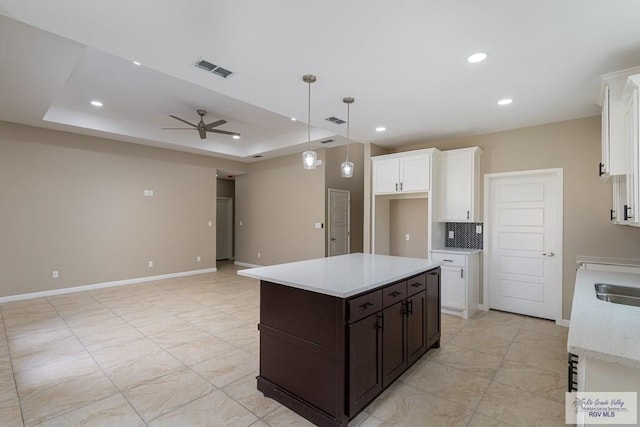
{"x": 184, "y": 352}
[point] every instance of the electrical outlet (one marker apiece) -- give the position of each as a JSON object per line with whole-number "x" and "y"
{"x": 259, "y": 254}
{"x": 406, "y": 236}
{"x": 55, "y": 274}
{"x": 241, "y": 223}
{"x": 150, "y": 263}
{"x": 451, "y": 234}
{"x": 150, "y": 193}
{"x": 209, "y": 224}
{"x": 478, "y": 229}
{"x": 198, "y": 258}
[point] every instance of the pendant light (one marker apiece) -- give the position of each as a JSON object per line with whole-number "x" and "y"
{"x": 346, "y": 168}
{"x": 309, "y": 157}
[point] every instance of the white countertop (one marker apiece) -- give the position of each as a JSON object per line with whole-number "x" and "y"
{"x": 461, "y": 251}
{"x": 344, "y": 275}
{"x": 600, "y": 329}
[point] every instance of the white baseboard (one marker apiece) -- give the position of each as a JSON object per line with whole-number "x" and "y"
{"x": 246, "y": 264}
{"x": 563, "y": 322}
{"x": 83, "y": 288}
{"x": 483, "y": 307}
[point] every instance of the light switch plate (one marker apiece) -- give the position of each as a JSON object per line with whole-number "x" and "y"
{"x": 451, "y": 234}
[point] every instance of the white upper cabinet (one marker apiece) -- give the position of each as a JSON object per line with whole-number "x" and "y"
{"x": 459, "y": 185}
{"x": 615, "y": 143}
{"x": 630, "y": 211}
{"x": 408, "y": 172}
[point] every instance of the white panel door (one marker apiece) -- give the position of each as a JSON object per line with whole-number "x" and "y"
{"x": 525, "y": 228}
{"x": 338, "y": 222}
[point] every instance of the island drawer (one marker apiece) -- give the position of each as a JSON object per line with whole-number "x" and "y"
{"x": 363, "y": 306}
{"x": 394, "y": 293}
{"x": 416, "y": 284}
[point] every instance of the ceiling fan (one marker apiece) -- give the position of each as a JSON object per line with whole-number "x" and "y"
{"x": 203, "y": 127}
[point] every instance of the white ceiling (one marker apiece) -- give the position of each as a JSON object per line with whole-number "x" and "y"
{"x": 403, "y": 61}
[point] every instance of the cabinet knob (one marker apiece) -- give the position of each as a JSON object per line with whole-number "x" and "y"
{"x": 394, "y": 294}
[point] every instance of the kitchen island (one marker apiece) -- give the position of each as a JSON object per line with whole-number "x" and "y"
{"x": 335, "y": 332}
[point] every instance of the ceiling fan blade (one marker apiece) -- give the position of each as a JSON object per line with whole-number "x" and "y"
{"x": 203, "y": 134}
{"x": 177, "y": 129}
{"x": 223, "y": 132}
{"x": 215, "y": 124}
{"x": 183, "y": 121}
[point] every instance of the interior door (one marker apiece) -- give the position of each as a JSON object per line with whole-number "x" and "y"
{"x": 224, "y": 228}
{"x": 338, "y": 232}
{"x": 525, "y": 243}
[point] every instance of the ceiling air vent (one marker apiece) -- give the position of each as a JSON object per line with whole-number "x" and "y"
{"x": 212, "y": 68}
{"x": 335, "y": 120}
{"x": 326, "y": 141}
{"x": 257, "y": 156}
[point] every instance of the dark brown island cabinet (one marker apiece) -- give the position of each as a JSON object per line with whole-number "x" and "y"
{"x": 327, "y": 357}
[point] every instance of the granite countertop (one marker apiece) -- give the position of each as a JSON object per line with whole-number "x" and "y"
{"x": 462, "y": 251}
{"x": 344, "y": 275}
{"x": 600, "y": 329}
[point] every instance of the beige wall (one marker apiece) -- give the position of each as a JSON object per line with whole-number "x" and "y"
{"x": 574, "y": 146}
{"x": 75, "y": 204}
{"x": 225, "y": 187}
{"x": 408, "y": 216}
{"x": 278, "y": 203}
{"x": 355, "y": 185}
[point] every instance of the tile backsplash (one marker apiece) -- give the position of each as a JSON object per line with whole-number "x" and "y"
{"x": 464, "y": 235}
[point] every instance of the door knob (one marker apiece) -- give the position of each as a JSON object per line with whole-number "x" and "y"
{"x": 549, "y": 254}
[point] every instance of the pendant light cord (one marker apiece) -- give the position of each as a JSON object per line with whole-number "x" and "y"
{"x": 309, "y": 117}
{"x": 348, "y": 125}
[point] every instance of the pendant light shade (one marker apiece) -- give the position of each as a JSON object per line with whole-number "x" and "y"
{"x": 346, "y": 168}
{"x": 309, "y": 157}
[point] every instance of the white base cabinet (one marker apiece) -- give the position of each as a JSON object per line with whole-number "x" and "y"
{"x": 600, "y": 376}
{"x": 459, "y": 280}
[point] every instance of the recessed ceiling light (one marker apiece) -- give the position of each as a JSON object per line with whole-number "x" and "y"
{"x": 136, "y": 63}
{"x": 477, "y": 57}
{"x": 381, "y": 129}
{"x": 505, "y": 101}
{"x": 96, "y": 103}
{"x": 236, "y": 136}
{"x": 293, "y": 119}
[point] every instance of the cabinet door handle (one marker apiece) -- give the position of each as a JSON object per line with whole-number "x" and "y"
{"x": 433, "y": 273}
{"x": 416, "y": 284}
{"x": 380, "y": 321}
{"x": 612, "y": 217}
{"x": 462, "y": 273}
{"x": 400, "y": 186}
{"x": 409, "y": 308}
{"x": 626, "y": 214}
{"x": 365, "y": 305}
{"x": 395, "y": 294}
{"x": 396, "y": 186}
{"x": 467, "y": 214}
{"x": 600, "y": 169}
{"x": 447, "y": 260}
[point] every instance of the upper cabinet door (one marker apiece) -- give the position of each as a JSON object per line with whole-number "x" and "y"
{"x": 459, "y": 185}
{"x": 385, "y": 175}
{"x": 415, "y": 173}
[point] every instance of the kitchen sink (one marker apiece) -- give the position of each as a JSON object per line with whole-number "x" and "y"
{"x": 618, "y": 294}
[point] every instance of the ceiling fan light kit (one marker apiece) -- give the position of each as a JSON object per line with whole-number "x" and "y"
{"x": 203, "y": 127}
{"x": 309, "y": 157}
{"x": 346, "y": 168}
